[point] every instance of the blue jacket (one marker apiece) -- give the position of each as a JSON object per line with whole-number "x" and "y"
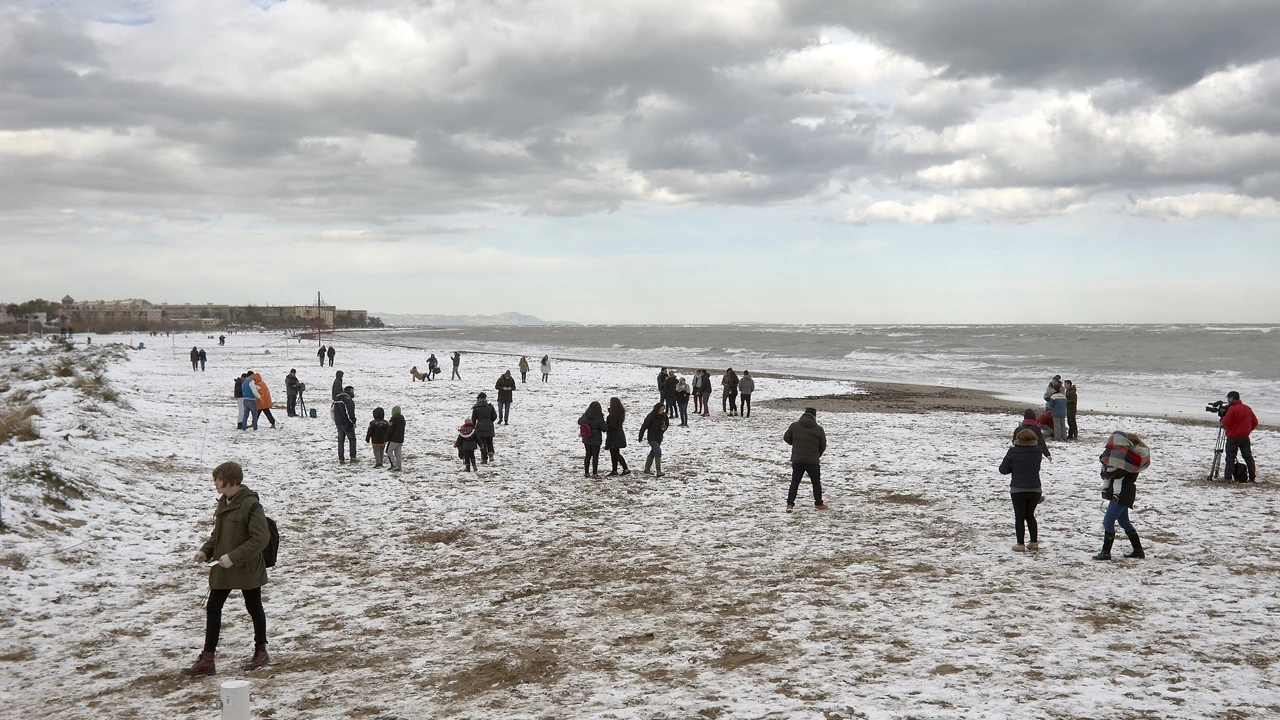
{"x": 344, "y": 411}
{"x": 247, "y": 388}
{"x": 1058, "y": 405}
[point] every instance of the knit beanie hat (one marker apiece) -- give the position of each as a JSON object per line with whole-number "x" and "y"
{"x": 395, "y": 410}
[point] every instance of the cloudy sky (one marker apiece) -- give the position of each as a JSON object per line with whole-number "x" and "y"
{"x": 649, "y": 160}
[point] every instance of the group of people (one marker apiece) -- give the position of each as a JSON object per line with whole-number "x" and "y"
{"x": 1059, "y": 414}
{"x": 544, "y": 367}
{"x": 674, "y": 393}
{"x": 198, "y": 358}
{"x": 253, "y": 399}
{"x": 326, "y": 352}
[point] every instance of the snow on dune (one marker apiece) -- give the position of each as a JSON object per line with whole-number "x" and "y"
{"x": 526, "y": 591}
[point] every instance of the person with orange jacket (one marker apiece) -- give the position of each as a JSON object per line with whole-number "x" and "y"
{"x": 264, "y": 398}
{"x": 1239, "y": 421}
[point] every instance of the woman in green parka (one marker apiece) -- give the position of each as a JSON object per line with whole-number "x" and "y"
{"x": 240, "y": 534}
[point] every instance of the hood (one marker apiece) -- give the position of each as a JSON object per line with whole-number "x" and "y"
{"x": 379, "y": 414}
{"x": 807, "y": 420}
{"x": 394, "y": 411}
{"x": 481, "y": 403}
{"x": 467, "y": 430}
{"x": 1057, "y": 396}
{"x": 1027, "y": 437}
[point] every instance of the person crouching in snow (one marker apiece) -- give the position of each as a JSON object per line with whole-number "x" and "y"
{"x": 655, "y": 423}
{"x": 1022, "y": 462}
{"x": 240, "y": 534}
{"x": 417, "y": 375}
{"x": 1126, "y": 455}
{"x": 466, "y": 444}
{"x": 396, "y": 439}
{"x": 377, "y": 434}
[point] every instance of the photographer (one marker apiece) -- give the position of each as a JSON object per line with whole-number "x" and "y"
{"x": 1239, "y": 421}
{"x": 291, "y": 388}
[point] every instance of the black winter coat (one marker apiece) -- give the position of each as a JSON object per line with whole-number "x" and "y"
{"x": 378, "y": 432}
{"x": 336, "y": 390}
{"x": 655, "y": 423}
{"x": 595, "y": 421}
{"x": 397, "y": 429}
{"x": 239, "y": 388}
{"x": 1044, "y": 449}
{"x": 203, "y": 357}
{"x": 807, "y": 439}
{"x": 1023, "y": 463}
{"x": 616, "y": 437}
{"x": 662, "y": 383}
{"x": 291, "y": 383}
{"x": 504, "y": 386}
{"x": 344, "y": 411}
{"x": 484, "y": 415}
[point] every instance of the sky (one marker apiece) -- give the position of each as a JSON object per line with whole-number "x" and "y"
{"x": 654, "y": 161}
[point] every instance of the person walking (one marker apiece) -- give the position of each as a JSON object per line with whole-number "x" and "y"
{"x": 238, "y": 394}
{"x": 240, "y": 534}
{"x": 1239, "y": 422}
{"x": 203, "y": 357}
{"x": 195, "y": 358}
{"x": 545, "y": 367}
{"x": 524, "y": 369}
{"x": 330, "y": 352}
{"x": 592, "y": 429}
{"x": 457, "y": 360}
{"x": 681, "y": 394}
{"x": 337, "y": 385}
{"x": 377, "y": 434}
{"x": 1125, "y": 456}
{"x": 433, "y": 367}
{"x": 1022, "y": 463}
{"x": 616, "y": 436}
{"x": 1069, "y": 389}
{"x": 706, "y": 394}
{"x": 396, "y": 439}
{"x": 343, "y": 411}
{"x": 291, "y": 384}
{"x": 729, "y": 400}
{"x": 669, "y": 394}
{"x": 264, "y": 400}
{"x": 1058, "y": 409}
{"x": 808, "y": 442}
{"x": 505, "y": 386}
{"x": 484, "y": 416}
{"x": 252, "y": 401}
{"x": 746, "y": 386}
{"x": 655, "y": 424}
{"x": 222, "y": 340}
{"x": 466, "y": 445}
{"x": 320, "y": 354}
{"x": 696, "y": 391}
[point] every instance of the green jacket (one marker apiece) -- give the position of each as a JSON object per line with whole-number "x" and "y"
{"x": 807, "y": 439}
{"x": 239, "y": 531}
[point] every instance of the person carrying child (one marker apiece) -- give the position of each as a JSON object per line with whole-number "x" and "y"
{"x": 466, "y": 444}
{"x": 377, "y": 434}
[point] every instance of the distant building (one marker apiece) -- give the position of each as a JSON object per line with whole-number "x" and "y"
{"x": 112, "y": 312}
{"x": 206, "y": 315}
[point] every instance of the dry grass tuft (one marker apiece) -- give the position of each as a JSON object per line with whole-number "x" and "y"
{"x": 15, "y": 422}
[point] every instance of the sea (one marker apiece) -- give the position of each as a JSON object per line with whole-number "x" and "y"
{"x": 1160, "y": 369}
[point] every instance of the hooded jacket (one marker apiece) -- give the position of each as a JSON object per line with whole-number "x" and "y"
{"x": 337, "y": 385}
{"x": 1022, "y": 461}
{"x": 379, "y": 429}
{"x": 616, "y": 435}
{"x": 807, "y": 439}
{"x": 239, "y": 531}
{"x": 1033, "y": 425}
{"x": 596, "y": 422}
{"x": 662, "y": 383}
{"x": 655, "y": 423}
{"x": 343, "y": 411}
{"x": 484, "y": 414}
{"x": 1058, "y": 405}
{"x": 466, "y": 441}
{"x": 746, "y": 385}
{"x": 397, "y": 426}
{"x": 264, "y": 393}
{"x": 505, "y": 385}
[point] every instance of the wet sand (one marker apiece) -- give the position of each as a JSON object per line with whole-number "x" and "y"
{"x": 886, "y": 397}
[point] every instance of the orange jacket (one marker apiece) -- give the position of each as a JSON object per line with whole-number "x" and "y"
{"x": 264, "y": 401}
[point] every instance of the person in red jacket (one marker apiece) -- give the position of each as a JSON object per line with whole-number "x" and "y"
{"x": 1239, "y": 421}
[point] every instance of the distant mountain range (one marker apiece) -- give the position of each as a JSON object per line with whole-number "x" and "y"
{"x": 509, "y": 318}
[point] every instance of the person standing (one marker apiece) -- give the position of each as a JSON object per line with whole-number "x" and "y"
{"x": 706, "y": 394}
{"x": 457, "y": 360}
{"x": 1022, "y": 463}
{"x": 1029, "y": 421}
{"x": 249, "y": 390}
{"x": 1058, "y": 410}
{"x": 505, "y": 386}
{"x": 238, "y": 394}
{"x": 1125, "y": 456}
{"x": 433, "y": 367}
{"x": 264, "y": 400}
{"x": 203, "y": 358}
{"x": 1069, "y": 389}
{"x": 1055, "y": 385}
{"x": 222, "y": 340}
{"x": 616, "y": 435}
{"x": 466, "y": 444}
{"x": 484, "y": 416}
{"x": 291, "y": 391}
{"x": 696, "y": 391}
{"x": 396, "y": 439}
{"x": 592, "y": 429}
{"x": 1239, "y": 422}
{"x": 195, "y": 358}
{"x": 337, "y": 385}
{"x": 344, "y": 419}
{"x": 240, "y": 534}
{"x": 662, "y": 388}
{"x": 808, "y": 442}
{"x": 524, "y": 369}
{"x": 330, "y": 352}
{"x": 746, "y": 386}
{"x": 320, "y": 354}
{"x": 377, "y": 434}
{"x": 655, "y": 424}
{"x": 545, "y": 367}
{"x": 681, "y": 394}
{"x": 729, "y": 400}
{"x": 669, "y": 392}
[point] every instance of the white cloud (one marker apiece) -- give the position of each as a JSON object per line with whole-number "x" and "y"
{"x": 1002, "y": 203}
{"x": 1195, "y": 206}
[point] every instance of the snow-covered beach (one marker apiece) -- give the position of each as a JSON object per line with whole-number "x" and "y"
{"x": 525, "y": 591}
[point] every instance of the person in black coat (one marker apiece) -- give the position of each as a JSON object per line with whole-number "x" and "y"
{"x": 330, "y": 352}
{"x": 655, "y": 424}
{"x": 1022, "y": 463}
{"x": 505, "y": 386}
{"x": 377, "y": 434}
{"x": 343, "y": 411}
{"x": 396, "y": 439}
{"x": 592, "y": 429}
{"x": 457, "y": 360}
{"x": 203, "y": 358}
{"x": 291, "y": 389}
{"x": 616, "y": 437}
{"x": 808, "y": 443}
{"x": 662, "y": 385}
{"x": 669, "y": 394}
{"x": 484, "y": 416}
{"x": 320, "y": 354}
{"x": 195, "y": 358}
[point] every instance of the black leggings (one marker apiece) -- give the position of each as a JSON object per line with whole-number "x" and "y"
{"x": 615, "y": 454}
{"x": 1024, "y": 512}
{"x": 591, "y": 461}
{"x": 213, "y": 618}
{"x": 270, "y": 418}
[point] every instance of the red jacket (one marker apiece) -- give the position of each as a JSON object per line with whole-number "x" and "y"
{"x": 1239, "y": 420}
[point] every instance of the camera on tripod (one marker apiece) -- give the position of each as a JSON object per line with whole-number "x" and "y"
{"x": 1218, "y": 406}
{"x": 302, "y": 387}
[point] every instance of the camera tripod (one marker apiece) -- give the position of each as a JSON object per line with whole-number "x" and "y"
{"x": 1219, "y": 447}
{"x": 302, "y": 404}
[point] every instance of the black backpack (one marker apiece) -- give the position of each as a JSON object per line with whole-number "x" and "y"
{"x": 273, "y": 545}
{"x": 1240, "y": 473}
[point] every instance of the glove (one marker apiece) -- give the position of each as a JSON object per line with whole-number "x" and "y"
{"x": 199, "y": 558}
{"x": 225, "y": 561}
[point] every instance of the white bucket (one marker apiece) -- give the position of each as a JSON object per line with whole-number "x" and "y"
{"x": 235, "y": 700}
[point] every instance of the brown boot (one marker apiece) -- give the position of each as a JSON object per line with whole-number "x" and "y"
{"x": 202, "y": 666}
{"x": 259, "y": 659}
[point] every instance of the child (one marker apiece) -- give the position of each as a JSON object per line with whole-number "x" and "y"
{"x": 378, "y": 432}
{"x": 466, "y": 444}
{"x": 396, "y": 439}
